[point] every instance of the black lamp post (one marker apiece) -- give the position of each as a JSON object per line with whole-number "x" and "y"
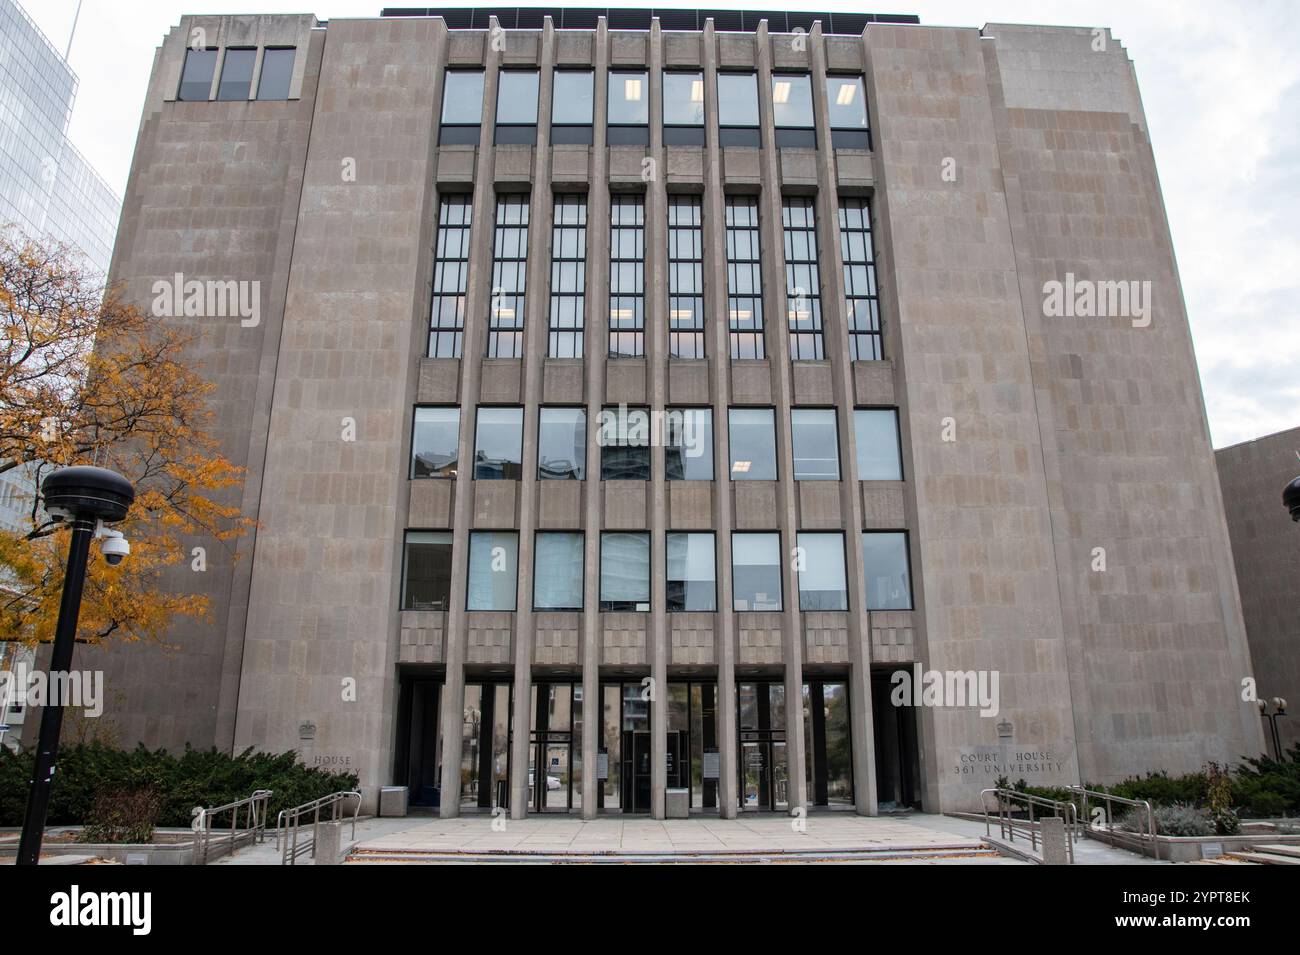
{"x": 1291, "y": 498}
{"x": 1279, "y": 709}
{"x": 86, "y": 498}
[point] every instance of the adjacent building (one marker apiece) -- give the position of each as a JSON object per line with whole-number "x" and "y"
{"x": 645, "y": 404}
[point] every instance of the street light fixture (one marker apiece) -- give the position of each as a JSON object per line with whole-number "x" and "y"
{"x": 87, "y": 498}
{"x": 1291, "y": 498}
{"x": 1279, "y": 709}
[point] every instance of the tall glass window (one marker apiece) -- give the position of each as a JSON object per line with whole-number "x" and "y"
{"x": 196, "y": 76}
{"x": 756, "y": 572}
{"x": 509, "y": 278}
{"x": 435, "y": 443}
{"x": 862, "y": 306}
{"x": 744, "y": 278}
{"x": 626, "y": 276}
{"x": 277, "y": 73}
{"x": 822, "y": 580}
{"x": 557, "y": 571}
{"x": 738, "y": 109}
{"x": 683, "y": 109}
{"x": 426, "y": 570}
{"x": 493, "y": 570}
{"x": 879, "y": 457}
{"x": 685, "y": 278}
{"x": 568, "y": 276}
{"x": 572, "y": 102}
{"x": 688, "y": 444}
{"x": 517, "y": 107}
{"x": 802, "y": 279}
{"x": 691, "y": 580}
{"x": 792, "y": 109}
{"x": 562, "y": 444}
{"x": 237, "y": 74}
{"x": 752, "y": 436}
{"x": 450, "y": 274}
{"x": 498, "y": 444}
{"x": 846, "y": 106}
{"x": 462, "y": 107}
{"x": 625, "y": 444}
{"x": 816, "y": 444}
{"x": 624, "y": 571}
{"x": 629, "y": 108}
{"x": 885, "y": 567}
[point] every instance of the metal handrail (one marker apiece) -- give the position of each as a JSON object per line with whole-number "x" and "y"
{"x": 288, "y": 824}
{"x": 254, "y": 810}
{"x": 1009, "y": 823}
{"x": 1147, "y": 833}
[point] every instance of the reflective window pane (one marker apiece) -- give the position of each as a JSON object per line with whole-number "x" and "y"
{"x": 557, "y": 571}
{"x": 426, "y": 570}
{"x": 277, "y": 73}
{"x": 517, "y": 97}
{"x": 683, "y": 99}
{"x": 691, "y": 583}
{"x": 629, "y": 98}
{"x": 816, "y": 444}
{"x": 822, "y": 582}
{"x": 884, "y": 565}
{"x": 876, "y": 431}
{"x": 752, "y": 435}
{"x": 792, "y": 99}
{"x": 625, "y": 572}
{"x": 737, "y": 99}
{"x": 435, "y": 442}
{"x": 846, "y": 102}
{"x": 688, "y": 439}
{"x": 196, "y": 77}
{"x": 572, "y": 97}
{"x": 498, "y": 444}
{"x": 236, "y": 74}
{"x": 493, "y": 570}
{"x": 562, "y": 444}
{"x": 756, "y": 572}
{"x": 624, "y": 444}
{"x": 462, "y": 97}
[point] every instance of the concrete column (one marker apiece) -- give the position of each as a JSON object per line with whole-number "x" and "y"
{"x": 596, "y": 347}
{"x": 477, "y": 295}
{"x": 713, "y": 213}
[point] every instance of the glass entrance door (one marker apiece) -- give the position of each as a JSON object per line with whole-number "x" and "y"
{"x": 555, "y": 748}
{"x": 624, "y": 762}
{"x": 636, "y": 771}
{"x": 764, "y": 768}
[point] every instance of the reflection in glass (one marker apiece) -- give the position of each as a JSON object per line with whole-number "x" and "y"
{"x": 625, "y": 444}
{"x": 568, "y": 277}
{"x": 557, "y": 571}
{"x": 884, "y": 565}
{"x": 625, "y": 572}
{"x": 792, "y": 100}
{"x": 752, "y": 436}
{"x": 629, "y": 98}
{"x": 572, "y": 98}
{"x": 498, "y": 444}
{"x": 737, "y": 99}
{"x": 876, "y": 430}
{"x": 822, "y": 583}
{"x": 509, "y": 278}
{"x": 802, "y": 279}
{"x": 688, "y": 440}
{"x": 861, "y": 305}
{"x": 277, "y": 73}
{"x": 426, "y": 570}
{"x": 816, "y": 444}
{"x": 562, "y": 444}
{"x": 450, "y": 274}
{"x": 627, "y": 276}
{"x": 493, "y": 570}
{"x": 846, "y": 102}
{"x": 691, "y": 584}
{"x": 744, "y": 280}
{"x": 683, "y": 99}
{"x": 517, "y": 98}
{"x": 462, "y": 98}
{"x": 435, "y": 443}
{"x": 196, "y": 76}
{"x": 756, "y": 571}
{"x": 236, "y": 74}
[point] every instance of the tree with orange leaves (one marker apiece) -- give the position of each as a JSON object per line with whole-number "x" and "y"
{"x": 85, "y": 379}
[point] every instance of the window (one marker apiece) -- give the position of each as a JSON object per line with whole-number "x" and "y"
{"x": 450, "y": 272}
{"x": 624, "y": 572}
{"x": 624, "y": 444}
{"x": 629, "y": 108}
{"x": 568, "y": 276}
{"x": 792, "y": 109}
{"x": 627, "y": 276}
{"x": 685, "y": 278}
{"x": 562, "y": 444}
{"x": 572, "y": 100}
{"x": 879, "y": 455}
{"x": 688, "y": 444}
{"x": 236, "y": 74}
{"x": 822, "y": 583}
{"x": 498, "y": 444}
{"x": 691, "y": 579}
{"x": 426, "y": 570}
{"x": 509, "y": 278}
{"x": 557, "y": 571}
{"x": 435, "y": 443}
{"x": 493, "y": 570}
{"x": 744, "y": 278}
{"x": 683, "y": 109}
{"x": 196, "y": 75}
{"x": 846, "y": 107}
{"x": 862, "y": 307}
{"x": 738, "y": 109}
{"x": 752, "y": 435}
{"x": 802, "y": 280}
{"x": 277, "y": 73}
{"x": 756, "y": 572}
{"x": 516, "y": 107}
{"x": 885, "y": 567}
{"x": 462, "y": 107}
{"x": 816, "y": 444}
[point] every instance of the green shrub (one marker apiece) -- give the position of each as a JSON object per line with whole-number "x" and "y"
{"x": 122, "y": 815}
{"x": 1180, "y": 819}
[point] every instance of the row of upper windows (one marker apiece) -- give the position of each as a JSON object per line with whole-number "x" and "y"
{"x": 628, "y": 105}
{"x": 625, "y": 435}
{"x": 625, "y": 565}
{"x": 237, "y": 69}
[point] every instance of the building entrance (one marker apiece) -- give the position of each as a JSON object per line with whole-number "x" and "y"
{"x": 555, "y": 748}
{"x": 764, "y": 768}
{"x": 623, "y": 763}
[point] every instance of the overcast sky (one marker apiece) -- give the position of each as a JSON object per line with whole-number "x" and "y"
{"x": 1220, "y": 84}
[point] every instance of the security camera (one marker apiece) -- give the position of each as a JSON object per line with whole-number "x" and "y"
{"x": 113, "y": 545}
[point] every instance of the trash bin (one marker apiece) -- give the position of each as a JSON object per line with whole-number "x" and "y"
{"x": 677, "y": 803}
{"x": 392, "y": 800}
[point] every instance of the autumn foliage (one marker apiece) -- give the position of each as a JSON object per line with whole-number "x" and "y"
{"x": 85, "y": 379}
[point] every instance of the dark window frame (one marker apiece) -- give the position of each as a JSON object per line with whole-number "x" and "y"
{"x": 261, "y": 76}
{"x": 469, "y": 569}
{"x": 558, "y": 333}
{"x": 839, "y": 457}
{"x": 907, "y": 556}
{"x": 586, "y": 438}
{"x": 415, "y": 413}
{"x": 780, "y": 569}
{"x": 582, "y": 571}
{"x": 806, "y": 335}
{"x": 680, "y": 234}
{"x": 865, "y": 343}
{"x": 405, "y": 581}
{"x": 252, "y": 70}
{"x": 741, "y": 335}
{"x": 212, "y": 74}
{"x": 627, "y": 452}
{"x": 452, "y": 334}
{"x": 844, "y": 569}
{"x": 619, "y": 606}
{"x": 478, "y": 412}
{"x": 898, "y": 438}
{"x": 505, "y": 338}
{"x": 632, "y": 328}
{"x": 712, "y": 444}
{"x": 517, "y": 134}
{"x": 731, "y": 451}
{"x": 668, "y": 579}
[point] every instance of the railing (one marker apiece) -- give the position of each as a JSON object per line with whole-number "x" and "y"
{"x": 289, "y": 824}
{"x": 1015, "y": 812}
{"x": 209, "y": 841}
{"x": 1147, "y": 833}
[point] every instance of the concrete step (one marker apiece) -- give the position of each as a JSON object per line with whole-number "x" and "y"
{"x": 1264, "y": 858}
{"x": 1280, "y": 850}
{"x": 429, "y": 856}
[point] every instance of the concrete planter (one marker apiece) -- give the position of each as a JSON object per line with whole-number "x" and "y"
{"x": 177, "y": 852}
{"x": 1189, "y": 848}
